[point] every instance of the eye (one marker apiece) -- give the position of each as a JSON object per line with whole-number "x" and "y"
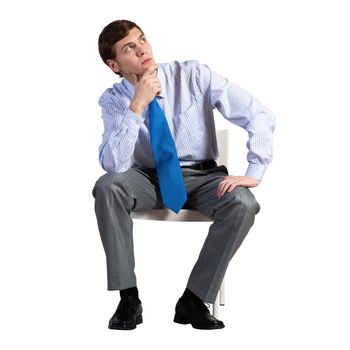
{"x": 129, "y": 48}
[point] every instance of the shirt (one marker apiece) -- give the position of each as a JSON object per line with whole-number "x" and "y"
{"x": 190, "y": 93}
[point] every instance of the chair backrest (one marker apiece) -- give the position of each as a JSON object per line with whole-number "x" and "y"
{"x": 185, "y": 214}
{"x": 223, "y": 146}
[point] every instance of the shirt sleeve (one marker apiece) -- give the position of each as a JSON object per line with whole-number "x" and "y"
{"x": 242, "y": 109}
{"x": 121, "y": 129}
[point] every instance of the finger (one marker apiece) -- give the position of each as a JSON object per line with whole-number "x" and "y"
{"x": 232, "y": 187}
{"x": 156, "y": 83}
{"x": 150, "y": 70}
{"x": 218, "y": 191}
{"x": 157, "y": 86}
{"x": 224, "y": 188}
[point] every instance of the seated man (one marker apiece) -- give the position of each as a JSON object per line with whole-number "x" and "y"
{"x": 159, "y": 149}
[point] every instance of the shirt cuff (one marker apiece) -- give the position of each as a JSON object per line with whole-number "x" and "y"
{"x": 132, "y": 120}
{"x": 256, "y": 171}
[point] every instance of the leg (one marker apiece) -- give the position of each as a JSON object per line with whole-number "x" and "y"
{"x": 116, "y": 195}
{"x": 233, "y": 216}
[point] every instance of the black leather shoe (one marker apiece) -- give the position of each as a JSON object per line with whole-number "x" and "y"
{"x": 191, "y": 310}
{"x": 127, "y": 315}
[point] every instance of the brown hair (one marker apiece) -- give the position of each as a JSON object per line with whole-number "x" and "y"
{"x": 110, "y": 35}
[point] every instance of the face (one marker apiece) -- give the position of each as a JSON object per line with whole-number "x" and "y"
{"x": 133, "y": 54}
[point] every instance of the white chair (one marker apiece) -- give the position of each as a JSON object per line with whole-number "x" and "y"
{"x": 188, "y": 215}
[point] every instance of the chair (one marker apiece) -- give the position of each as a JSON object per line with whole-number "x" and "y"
{"x": 187, "y": 215}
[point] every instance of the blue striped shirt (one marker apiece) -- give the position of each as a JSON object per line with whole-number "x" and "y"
{"x": 190, "y": 92}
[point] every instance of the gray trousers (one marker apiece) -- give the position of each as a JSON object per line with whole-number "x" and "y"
{"x": 116, "y": 195}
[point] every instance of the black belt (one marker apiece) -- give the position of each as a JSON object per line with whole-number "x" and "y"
{"x": 202, "y": 166}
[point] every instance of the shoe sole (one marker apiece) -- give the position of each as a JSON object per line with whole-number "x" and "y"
{"x": 184, "y": 320}
{"x": 139, "y": 320}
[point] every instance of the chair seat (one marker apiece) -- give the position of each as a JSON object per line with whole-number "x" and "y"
{"x": 168, "y": 215}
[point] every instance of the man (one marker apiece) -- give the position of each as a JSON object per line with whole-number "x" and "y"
{"x": 180, "y": 96}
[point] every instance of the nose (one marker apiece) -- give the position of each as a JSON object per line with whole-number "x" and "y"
{"x": 140, "y": 51}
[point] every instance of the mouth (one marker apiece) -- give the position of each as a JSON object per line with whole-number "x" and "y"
{"x": 146, "y": 61}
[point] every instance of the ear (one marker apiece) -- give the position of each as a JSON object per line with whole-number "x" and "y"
{"x": 112, "y": 64}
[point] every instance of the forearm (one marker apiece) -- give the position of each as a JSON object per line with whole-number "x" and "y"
{"x": 117, "y": 148}
{"x": 260, "y": 152}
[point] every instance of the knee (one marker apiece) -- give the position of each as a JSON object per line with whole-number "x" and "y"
{"x": 247, "y": 201}
{"x": 107, "y": 184}
{"x": 243, "y": 199}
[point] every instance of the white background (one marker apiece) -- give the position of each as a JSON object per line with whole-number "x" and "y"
{"x": 288, "y": 285}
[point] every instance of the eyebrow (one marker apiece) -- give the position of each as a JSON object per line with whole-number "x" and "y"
{"x": 124, "y": 46}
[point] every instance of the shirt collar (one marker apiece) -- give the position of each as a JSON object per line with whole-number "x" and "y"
{"x": 160, "y": 75}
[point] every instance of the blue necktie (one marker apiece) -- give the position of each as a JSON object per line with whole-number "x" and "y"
{"x": 172, "y": 188}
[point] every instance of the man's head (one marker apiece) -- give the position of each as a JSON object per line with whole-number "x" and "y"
{"x": 123, "y": 48}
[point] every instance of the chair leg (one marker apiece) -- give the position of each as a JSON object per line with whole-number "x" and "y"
{"x": 221, "y": 297}
{"x": 222, "y": 293}
{"x": 216, "y": 307}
